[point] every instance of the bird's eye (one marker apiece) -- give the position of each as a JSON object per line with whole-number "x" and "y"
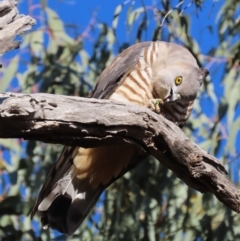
{"x": 178, "y": 80}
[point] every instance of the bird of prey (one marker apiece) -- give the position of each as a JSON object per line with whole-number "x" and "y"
{"x": 162, "y": 76}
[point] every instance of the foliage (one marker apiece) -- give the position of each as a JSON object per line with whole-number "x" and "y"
{"x": 149, "y": 203}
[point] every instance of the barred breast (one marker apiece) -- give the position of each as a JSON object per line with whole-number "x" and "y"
{"x": 177, "y": 112}
{"x": 136, "y": 85}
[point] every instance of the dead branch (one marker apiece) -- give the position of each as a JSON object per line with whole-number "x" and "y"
{"x": 93, "y": 122}
{"x": 11, "y": 25}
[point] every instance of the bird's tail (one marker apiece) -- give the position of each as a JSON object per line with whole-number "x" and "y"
{"x": 65, "y": 210}
{"x": 65, "y": 201}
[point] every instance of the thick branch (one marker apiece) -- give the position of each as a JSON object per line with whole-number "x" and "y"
{"x": 11, "y": 25}
{"x": 92, "y": 122}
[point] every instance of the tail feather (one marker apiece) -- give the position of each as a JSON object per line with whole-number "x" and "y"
{"x": 65, "y": 201}
{"x": 64, "y": 186}
{"x": 65, "y": 213}
{"x": 63, "y": 164}
{"x": 80, "y": 208}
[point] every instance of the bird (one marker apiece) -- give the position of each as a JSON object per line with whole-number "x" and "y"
{"x": 162, "y": 76}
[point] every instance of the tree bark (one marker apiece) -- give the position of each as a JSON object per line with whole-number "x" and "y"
{"x": 11, "y": 25}
{"x": 93, "y": 122}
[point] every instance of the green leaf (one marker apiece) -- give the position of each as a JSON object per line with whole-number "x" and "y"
{"x": 11, "y": 205}
{"x": 9, "y": 73}
{"x": 57, "y": 28}
{"x": 116, "y": 16}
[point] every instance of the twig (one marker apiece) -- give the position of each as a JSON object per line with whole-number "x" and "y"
{"x": 11, "y": 25}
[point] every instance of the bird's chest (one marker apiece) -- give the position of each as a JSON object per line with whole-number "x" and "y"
{"x": 135, "y": 88}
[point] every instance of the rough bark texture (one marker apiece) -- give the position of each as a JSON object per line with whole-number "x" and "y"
{"x": 92, "y": 122}
{"x": 11, "y": 25}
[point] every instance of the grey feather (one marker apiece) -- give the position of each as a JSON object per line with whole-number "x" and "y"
{"x": 63, "y": 164}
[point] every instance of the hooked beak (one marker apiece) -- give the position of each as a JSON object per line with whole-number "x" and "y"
{"x": 172, "y": 97}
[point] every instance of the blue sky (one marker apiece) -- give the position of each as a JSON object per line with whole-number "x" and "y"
{"x": 80, "y": 13}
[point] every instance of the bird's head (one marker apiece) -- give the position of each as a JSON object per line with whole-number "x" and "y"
{"x": 178, "y": 76}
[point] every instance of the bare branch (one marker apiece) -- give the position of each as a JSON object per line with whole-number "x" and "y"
{"x": 93, "y": 122}
{"x": 11, "y": 25}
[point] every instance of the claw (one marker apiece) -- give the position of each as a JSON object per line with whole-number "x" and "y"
{"x": 154, "y": 105}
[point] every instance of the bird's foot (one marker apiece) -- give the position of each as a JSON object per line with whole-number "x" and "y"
{"x": 154, "y": 105}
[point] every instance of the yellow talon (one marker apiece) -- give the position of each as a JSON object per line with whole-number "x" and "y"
{"x": 154, "y": 105}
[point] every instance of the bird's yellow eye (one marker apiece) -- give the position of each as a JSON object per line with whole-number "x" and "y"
{"x": 178, "y": 80}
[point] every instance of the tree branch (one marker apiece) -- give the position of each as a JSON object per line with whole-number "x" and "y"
{"x": 11, "y": 25}
{"x": 93, "y": 122}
